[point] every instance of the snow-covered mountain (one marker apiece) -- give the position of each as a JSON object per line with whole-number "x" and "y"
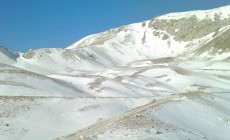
{"x": 196, "y": 33}
{"x": 109, "y": 82}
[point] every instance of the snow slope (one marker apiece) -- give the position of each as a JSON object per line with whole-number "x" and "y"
{"x": 37, "y": 118}
{"x": 7, "y": 57}
{"x": 18, "y": 82}
{"x": 198, "y": 116}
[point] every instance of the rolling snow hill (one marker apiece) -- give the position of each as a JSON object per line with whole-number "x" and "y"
{"x": 7, "y": 57}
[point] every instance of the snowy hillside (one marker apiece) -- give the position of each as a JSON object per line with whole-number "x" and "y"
{"x": 18, "y": 82}
{"x": 7, "y": 57}
{"x": 165, "y": 78}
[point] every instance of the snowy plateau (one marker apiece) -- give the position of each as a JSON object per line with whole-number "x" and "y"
{"x": 167, "y": 78}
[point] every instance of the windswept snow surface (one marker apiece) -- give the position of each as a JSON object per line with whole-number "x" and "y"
{"x": 165, "y": 78}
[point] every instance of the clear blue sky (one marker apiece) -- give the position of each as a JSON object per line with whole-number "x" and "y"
{"x": 26, "y": 24}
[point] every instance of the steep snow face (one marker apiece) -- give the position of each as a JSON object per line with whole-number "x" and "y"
{"x": 133, "y": 42}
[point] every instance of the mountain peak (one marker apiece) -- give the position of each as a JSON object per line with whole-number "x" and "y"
{"x": 170, "y": 35}
{"x": 221, "y": 12}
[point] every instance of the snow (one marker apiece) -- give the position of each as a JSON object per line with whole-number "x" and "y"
{"x": 196, "y": 117}
{"x": 223, "y": 12}
{"x": 49, "y": 93}
{"x": 192, "y": 117}
{"x": 47, "y": 118}
{"x": 7, "y": 57}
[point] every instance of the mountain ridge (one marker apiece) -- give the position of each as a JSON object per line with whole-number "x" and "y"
{"x": 188, "y": 38}
{"x": 195, "y": 12}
